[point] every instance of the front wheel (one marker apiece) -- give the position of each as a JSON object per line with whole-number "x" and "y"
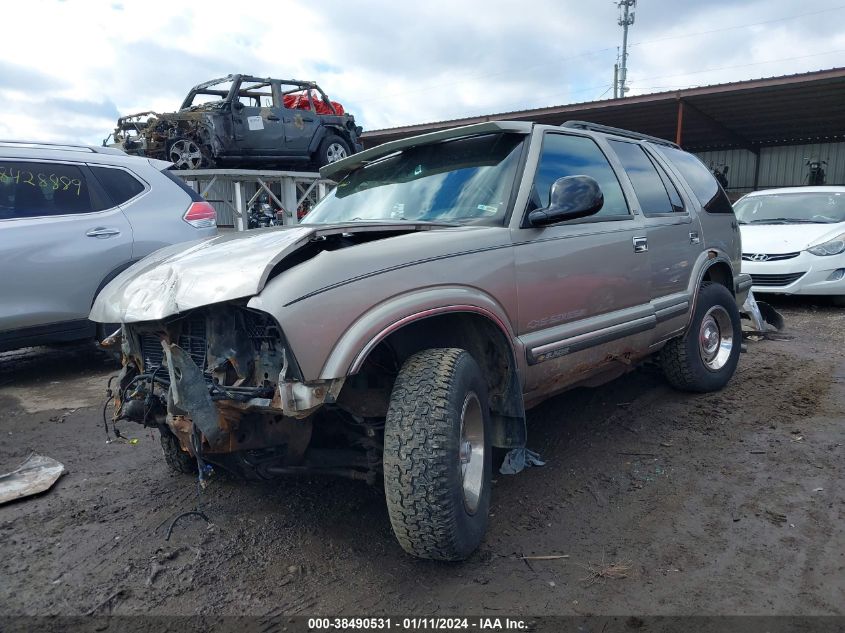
{"x": 705, "y": 358}
{"x": 437, "y": 455}
{"x": 178, "y": 460}
{"x": 186, "y": 153}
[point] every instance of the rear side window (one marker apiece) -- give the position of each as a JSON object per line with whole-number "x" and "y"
{"x": 30, "y": 190}
{"x": 119, "y": 185}
{"x": 183, "y": 186}
{"x": 705, "y": 187}
{"x": 648, "y": 185}
{"x": 566, "y": 155}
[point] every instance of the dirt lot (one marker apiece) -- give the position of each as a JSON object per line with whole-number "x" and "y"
{"x": 727, "y": 503}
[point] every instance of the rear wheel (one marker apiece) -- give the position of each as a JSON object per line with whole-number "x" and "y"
{"x": 332, "y": 149}
{"x": 174, "y": 456}
{"x": 437, "y": 455}
{"x": 705, "y": 358}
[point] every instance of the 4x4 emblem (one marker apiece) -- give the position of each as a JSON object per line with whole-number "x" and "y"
{"x": 759, "y": 257}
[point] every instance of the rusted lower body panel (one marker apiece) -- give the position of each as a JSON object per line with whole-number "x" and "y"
{"x": 241, "y": 429}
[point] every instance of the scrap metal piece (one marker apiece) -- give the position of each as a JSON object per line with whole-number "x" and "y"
{"x": 764, "y": 318}
{"x": 771, "y": 316}
{"x": 190, "y": 392}
{"x": 752, "y": 311}
{"x": 36, "y": 474}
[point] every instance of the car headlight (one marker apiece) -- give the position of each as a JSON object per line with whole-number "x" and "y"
{"x": 831, "y": 247}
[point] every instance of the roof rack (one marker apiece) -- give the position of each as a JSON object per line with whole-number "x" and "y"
{"x": 596, "y": 127}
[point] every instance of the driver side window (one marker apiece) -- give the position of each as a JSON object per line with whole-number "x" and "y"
{"x": 568, "y": 155}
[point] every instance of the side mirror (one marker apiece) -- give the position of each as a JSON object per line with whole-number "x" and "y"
{"x": 571, "y": 197}
{"x": 238, "y": 105}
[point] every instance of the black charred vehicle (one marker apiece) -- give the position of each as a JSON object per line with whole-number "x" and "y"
{"x": 240, "y": 120}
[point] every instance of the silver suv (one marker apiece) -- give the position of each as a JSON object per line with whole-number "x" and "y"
{"x": 449, "y": 282}
{"x": 71, "y": 219}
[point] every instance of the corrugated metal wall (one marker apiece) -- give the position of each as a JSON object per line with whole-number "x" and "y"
{"x": 224, "y": 190}
{"x": 782, "y": 166}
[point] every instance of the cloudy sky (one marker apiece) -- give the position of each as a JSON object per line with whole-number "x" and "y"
{"x": 68, "y": 68}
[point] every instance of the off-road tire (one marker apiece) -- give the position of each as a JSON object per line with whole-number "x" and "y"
{"x": 323, "y": 157}
{"x": 681, "y": 360}
{"x": 178, "y": 460}
{"x": 422, "y": 469}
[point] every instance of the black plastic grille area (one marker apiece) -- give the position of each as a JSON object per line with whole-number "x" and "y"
{"x": 192, "y": 340}
{"x": 775, "y": 280}
{"x": 770, "y": 257}
{"x": 151, "y": 351}
{"x": 261, "y": 328}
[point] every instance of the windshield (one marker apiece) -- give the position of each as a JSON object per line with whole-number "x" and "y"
{"x": 210, "y": 94}
{"x": 792, "y": 208}
{"x": 466, "y": 180}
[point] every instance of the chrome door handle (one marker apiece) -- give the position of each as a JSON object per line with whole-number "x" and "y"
{"x": 693, "y": 238}
{"x": 640, "y": 245}
{"x": 102, "y": 232}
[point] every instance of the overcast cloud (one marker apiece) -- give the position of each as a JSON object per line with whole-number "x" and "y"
{"x": 70, "y": 67}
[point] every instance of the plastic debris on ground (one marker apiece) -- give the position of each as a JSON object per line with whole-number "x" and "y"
{"x": 751, "y": 309}
{"x": 764, "y": 318}
{"x": 36, "y": 474}
{"x": 517, "y": 459}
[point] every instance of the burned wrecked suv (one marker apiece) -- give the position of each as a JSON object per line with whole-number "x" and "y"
{"x": 449, "y": 283}
{"x": 240, "y": 120}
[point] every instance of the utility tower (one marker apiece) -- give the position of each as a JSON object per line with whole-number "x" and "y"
{"x": 626, "y": 19}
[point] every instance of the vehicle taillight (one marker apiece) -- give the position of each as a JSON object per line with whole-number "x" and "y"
{"x": 201, "y": 215}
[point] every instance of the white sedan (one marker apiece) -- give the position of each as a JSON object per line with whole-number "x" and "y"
{"x": 793, "y": 240}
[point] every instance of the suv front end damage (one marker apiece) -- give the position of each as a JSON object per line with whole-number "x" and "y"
{"x": 223, "y": 382}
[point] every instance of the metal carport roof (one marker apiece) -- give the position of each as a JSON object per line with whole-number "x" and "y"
{"x": 806, "y": 107}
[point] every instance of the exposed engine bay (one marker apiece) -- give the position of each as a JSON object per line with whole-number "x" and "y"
{"x": 222, "y": 381}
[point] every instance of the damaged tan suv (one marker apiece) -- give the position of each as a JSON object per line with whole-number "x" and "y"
{"x": 450, "y": 282}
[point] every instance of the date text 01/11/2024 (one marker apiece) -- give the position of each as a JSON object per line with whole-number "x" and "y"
{"x": 417, "y": 624}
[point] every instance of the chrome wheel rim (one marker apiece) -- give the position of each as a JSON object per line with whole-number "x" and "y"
{"x": 335, "y": 152}
{"x": 471, "y": 452}
{"x": 715, "y": 338}
{"x": 185, "y": 154}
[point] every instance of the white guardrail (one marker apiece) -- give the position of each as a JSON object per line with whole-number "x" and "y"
{"x": 232, "y": 191}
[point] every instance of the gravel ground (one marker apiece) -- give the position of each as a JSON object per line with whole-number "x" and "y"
{"x": 665, "y": 503}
